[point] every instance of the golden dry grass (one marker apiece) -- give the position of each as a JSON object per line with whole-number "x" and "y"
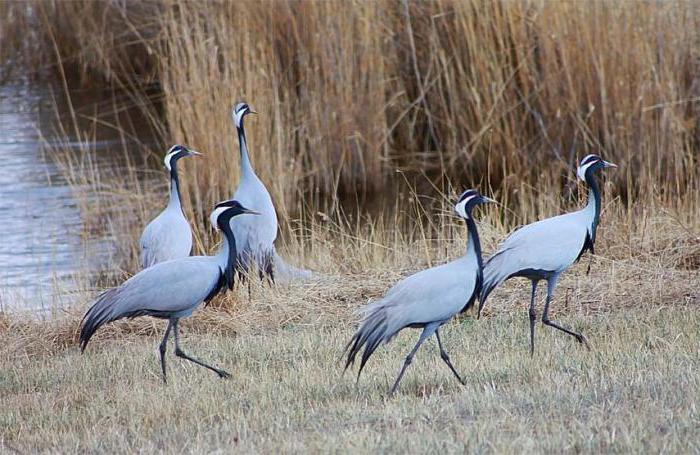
{"x": 504, "y": 96}
{"x": 636, "y": 392}
{"x": 480, "y": 93}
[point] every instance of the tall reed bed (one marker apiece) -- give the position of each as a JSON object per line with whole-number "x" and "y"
{"x": 506, "y": 96}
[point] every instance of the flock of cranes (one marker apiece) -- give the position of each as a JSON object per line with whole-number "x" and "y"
{"x": 173, "y": 284}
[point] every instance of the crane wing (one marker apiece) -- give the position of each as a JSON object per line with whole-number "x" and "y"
{"x": 550, "y": 245}
{"x": 434, "y": 294}
{"x": 171, "y": 288}
{"x": 167, "y": 237}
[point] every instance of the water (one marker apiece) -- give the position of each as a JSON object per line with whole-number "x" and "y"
{"x": 41, "y": 230}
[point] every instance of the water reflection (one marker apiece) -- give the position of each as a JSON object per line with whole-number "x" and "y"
{"x": 41, "y": 244}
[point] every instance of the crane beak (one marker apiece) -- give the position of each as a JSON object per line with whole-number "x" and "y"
{"x": 250, "y": 111}
{"x": 488, "y": 199}
{"x": 250, "y": 212}
{"x": 195, "y": 153}
{"x": 608, "y": 164}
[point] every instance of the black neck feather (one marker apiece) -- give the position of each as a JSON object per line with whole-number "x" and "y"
{"x": 474, "y": 234}
{"x": 241, "y": 137}
{"x": 174, "y": 179}
{"x": 232, "y": 253}
{"x": 594, "y": 192}
{"x": 476, "y": 244}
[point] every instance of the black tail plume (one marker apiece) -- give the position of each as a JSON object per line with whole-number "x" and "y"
{"x": 372, "y": 332}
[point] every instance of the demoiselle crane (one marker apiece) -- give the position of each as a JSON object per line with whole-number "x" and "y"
{"x": 255, "y": 235}
{"x": 545, "y": 249}
{"x": 169, "y": 235}
{"x": 171, "y": 290}
{"x": 426, "y": 300}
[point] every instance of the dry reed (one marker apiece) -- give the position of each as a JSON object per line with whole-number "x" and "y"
{"x": 484, "y": 93}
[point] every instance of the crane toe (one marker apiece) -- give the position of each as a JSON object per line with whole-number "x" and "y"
{"x": 223, "y": 374}
{"x": 582, "y": 339}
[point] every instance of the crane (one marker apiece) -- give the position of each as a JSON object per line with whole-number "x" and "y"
{"x": 168, "y": 236}
{"x": 426, "y": 300}
{"x": 172, "y": 289}
{"x": 545, "y": 249}
{"x": 255, "y": 235}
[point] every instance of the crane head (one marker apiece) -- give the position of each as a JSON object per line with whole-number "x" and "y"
{"x": 224, "y": 211}
{"x": 468, "y": 200}
{"x": 591, "y": 163}
{"x": 175, "y": 153}
{"x": 239, "y": 111}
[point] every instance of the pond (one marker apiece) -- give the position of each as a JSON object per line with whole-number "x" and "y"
{"x": 42, "y": 245}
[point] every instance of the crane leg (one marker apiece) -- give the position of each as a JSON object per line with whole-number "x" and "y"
{"x": 265, "y": 269}
{"x": 243, "y": 277}
{"x": 446, "y": 358}
{"x": 533, "y": 317}
{"x": 551, "y": 283}
{"x": 182, "y": 355}
{"x": 269, "y": 271}
{"x": 164, "y": 347}
{"x": 427, "y": 332}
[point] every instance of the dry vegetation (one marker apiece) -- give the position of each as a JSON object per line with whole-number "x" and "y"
{"x": 636, "y": 392}
{"x": 504, "y": 96}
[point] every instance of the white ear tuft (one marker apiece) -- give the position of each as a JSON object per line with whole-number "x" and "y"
{"x": 461, "y": 206}
{"x": 215, "y": 216}
{"x": 581, "y": 171}
{"x": 169, "y": 157}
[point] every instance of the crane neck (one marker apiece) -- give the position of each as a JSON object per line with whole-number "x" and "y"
{"x": 474, "y": 244}
{"x": 227, "y": 255}
{"x": 593, "y": 206}
{"x": 474, "y": 251}
{"x": 246, "y": 166}
{"x": 175, "y": 199}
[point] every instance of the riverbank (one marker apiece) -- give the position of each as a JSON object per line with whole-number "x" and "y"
{"x": 367, "y": 137}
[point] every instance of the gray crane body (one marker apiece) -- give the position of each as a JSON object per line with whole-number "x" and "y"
{"x": 171, "y": 289}
{"x": 427, "y": 299}
{"x": 542, "y": 249}
{"x": 169, "y": 235}
{"x": 412, "y": 301}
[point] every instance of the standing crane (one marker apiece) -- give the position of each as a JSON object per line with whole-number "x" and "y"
{"x": 171, "y": 290}
{"x": 545, "y": 249}
{"x": 427, "y": 299}
{"x": 169, "y": 235}
{"x": 255, "y": 235}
